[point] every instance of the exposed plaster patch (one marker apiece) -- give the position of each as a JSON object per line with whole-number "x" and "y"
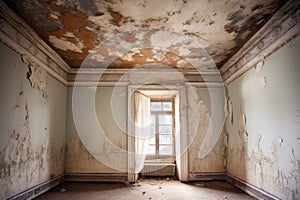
{"x": 183, "y": 51}
{"x": 21, "y": 165}
{"x": 228, "y": 108}
{"x": 158, "y": 54}
{"x": 60, "y": 2}
{"x": 69, "y": 34}
{"x": 280, "y": 141}
{"x": 259, "y": 66}
{"x": 216, "y": 157}
{"x": 165, "y": 39}
{"x": 293, "y": 153}
{"x": 97, "y": 57}
{"x": 54, "y": 16}
{"x": 63, "y": 44}
{"x": 243, "y": 137}
{"x": 149, "y": 60}
{"x": 129, "y": 56}
{"x": 243, "y": 124}
{"x": 175, "y": 58}
{"x": 38, "y": 78}
{"x": 182, "y": 64}
{"x": 20, "y": 96}
{"x": 263, "y": 82}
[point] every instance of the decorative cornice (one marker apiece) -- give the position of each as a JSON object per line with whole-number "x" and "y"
{"x": 123, "y": 78}
{"x": 280, "y": 29}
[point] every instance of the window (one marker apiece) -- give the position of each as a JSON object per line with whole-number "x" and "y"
{"x": 162, "y": 128}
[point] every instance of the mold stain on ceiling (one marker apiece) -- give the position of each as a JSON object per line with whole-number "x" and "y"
{"x": 125, "y": 34}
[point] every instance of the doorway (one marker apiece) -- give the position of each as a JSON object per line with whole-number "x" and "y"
{"x": 161, "y": 152}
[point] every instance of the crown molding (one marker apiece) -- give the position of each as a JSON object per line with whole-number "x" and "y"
{"x": 280, "y": 29}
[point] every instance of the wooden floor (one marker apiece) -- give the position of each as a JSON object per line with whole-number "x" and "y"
{"x": 145, "y": 189}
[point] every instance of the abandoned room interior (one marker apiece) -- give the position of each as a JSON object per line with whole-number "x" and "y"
{"x": 148, "y": 99}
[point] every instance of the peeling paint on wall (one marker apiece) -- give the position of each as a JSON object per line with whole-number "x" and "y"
{"x": 243, "y": 136}
{"x": 268, "y": 155}
{"x": 38, "y": 78}
{"x": 32, "y": 140}
{"x": 264, "y": 82}
{"x": 259, "y": 66}
{"x": 215, "y": 161}
{"x": 228, "y": 109}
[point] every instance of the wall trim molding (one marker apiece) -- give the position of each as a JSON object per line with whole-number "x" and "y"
{"x": 280, "y": 29}
{"x": 123, "y": 178}
{"x": 239, "y": 183}
{"x": 97, "y": 177}
{"x": 207, "y": 176}
{"x": 38, "y": 189}
{"x": 249, "y": 188}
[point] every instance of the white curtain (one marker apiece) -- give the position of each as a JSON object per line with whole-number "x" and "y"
{"x": 142, "y": 128}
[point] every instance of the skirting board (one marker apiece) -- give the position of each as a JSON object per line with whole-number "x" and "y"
{"x": 241, "y": 184}
{"x": 207, "y": 176}
{"x": 122, "y": 177}
{"x": 38, "y": 189}
{"x": 250, "y": 189}
{"x": 97, "y": 177}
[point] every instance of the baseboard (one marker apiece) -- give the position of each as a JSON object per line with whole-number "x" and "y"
{"x": 250, "y": 189}
{"x": 207, "y": 176}
{"x": 97, "y": 177}
{"x": 122, "y": 178}
{"x": 38, "y": 189}
{"x": 239, "y": 183}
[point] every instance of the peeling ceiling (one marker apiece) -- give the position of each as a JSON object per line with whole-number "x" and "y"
{"x": 125, "y": 34}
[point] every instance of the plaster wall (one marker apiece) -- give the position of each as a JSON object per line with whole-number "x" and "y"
{"x": 107, "y": 154}
{"x": 32, "y": 126}
{"x": 206, "y": 110}
{"x": 264, "y": 137}
{"x": 112, "y": 115}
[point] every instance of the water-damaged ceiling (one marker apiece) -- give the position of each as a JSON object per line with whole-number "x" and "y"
{"x": 125, "y": 34}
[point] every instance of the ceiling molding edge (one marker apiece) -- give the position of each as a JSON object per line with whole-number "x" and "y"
{"x": 280, "y": 29}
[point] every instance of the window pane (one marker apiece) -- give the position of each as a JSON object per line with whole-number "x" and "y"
{"x": 167, "y": 106}
{"x": 152, "y": 141}
{"x": 152, "y": 119}
{"x": 165, "y": 119}
{"x": 165, "y": 139}
{"x": 150, "y": 150}
{"x": 152, "y": 130}
{"x": 165, "y": 150}
{"x": 165, "y": 129}
{"x": 156, "y": 106}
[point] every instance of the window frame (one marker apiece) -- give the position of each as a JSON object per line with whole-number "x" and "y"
{"x": 157, "y": 135}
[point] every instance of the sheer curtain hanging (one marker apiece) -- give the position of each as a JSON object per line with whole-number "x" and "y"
{"x": 142, "y": 128}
